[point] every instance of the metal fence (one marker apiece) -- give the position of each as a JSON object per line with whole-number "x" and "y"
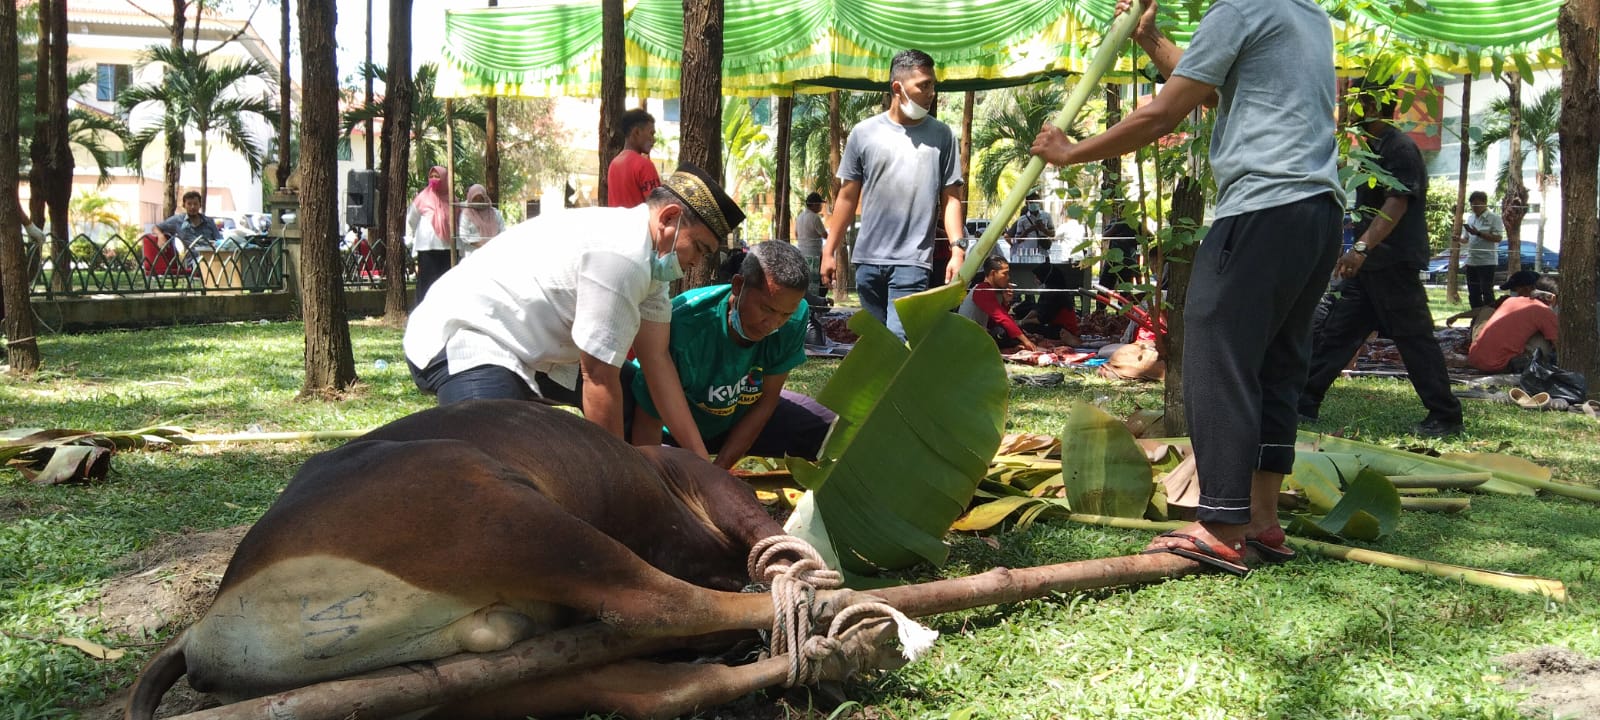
{"x": 154, "y": 264}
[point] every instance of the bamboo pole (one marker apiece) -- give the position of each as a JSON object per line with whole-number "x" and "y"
{"x": 1527, "y": 584}
{"x": 1438, "y": 505}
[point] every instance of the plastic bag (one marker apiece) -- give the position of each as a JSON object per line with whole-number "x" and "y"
{"x": 1542, "y": 375}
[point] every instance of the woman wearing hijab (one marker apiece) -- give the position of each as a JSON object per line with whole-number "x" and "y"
{"x": 480, "y": 221}
{"x": 429, "y": 221}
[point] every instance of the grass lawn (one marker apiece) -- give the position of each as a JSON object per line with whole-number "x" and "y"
{"x": 1310, "y": 639}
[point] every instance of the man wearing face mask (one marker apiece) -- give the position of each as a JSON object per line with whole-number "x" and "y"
{"x": 733, "y": 346}
{"x": 1032, "y": 234}
{"x": 550, "y": 308}
{"x": 902, "y": 168}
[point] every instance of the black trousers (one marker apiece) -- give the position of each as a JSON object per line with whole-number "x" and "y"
{"x": 1480, "y": 285}
{"x": 1247, "y": 339}
{"x": 430, "y": 265}
{"x": 1392, "y": 302}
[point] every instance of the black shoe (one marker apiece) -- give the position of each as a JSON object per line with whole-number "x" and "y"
{"x": 1437, "y": 428}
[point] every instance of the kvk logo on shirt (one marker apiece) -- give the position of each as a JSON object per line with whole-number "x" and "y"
{"x": 723, "y": 400}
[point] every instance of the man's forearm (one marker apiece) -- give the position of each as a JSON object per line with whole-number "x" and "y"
{"x": 602, "y": 403}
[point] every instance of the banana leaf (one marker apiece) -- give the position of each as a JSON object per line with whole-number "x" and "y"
{"x": 54, "y": 456}
{"x": 917, "y": 428}
{"x": 1105, "y": 470}
{"x": 1369, "y": 510}
{"x": 1389, "y": 461}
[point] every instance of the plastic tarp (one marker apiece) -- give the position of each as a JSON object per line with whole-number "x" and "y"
{"x": 777, "y": 47}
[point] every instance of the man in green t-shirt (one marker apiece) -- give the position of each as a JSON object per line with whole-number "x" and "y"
{"x": 733, "y": 347}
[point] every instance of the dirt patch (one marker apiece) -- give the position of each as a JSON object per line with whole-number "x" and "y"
{"x": 1561, "y": 683}
{"x": 169, "y": 583}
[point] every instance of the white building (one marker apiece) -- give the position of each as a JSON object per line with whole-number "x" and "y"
{"x": 109, "y": 37}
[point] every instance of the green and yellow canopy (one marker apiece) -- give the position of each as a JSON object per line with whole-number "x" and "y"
{"x": 778, "y": 47}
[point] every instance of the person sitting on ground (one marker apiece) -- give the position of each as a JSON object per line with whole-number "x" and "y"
{"x": 734, "y": 346}
{"x": 1520, "y": 325}
{"x": 986, "y": 305}
{"x": 1054, "y": 315}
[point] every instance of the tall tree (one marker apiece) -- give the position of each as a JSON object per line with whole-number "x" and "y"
{"x": 50, "y": 178}
{"x": 398, "y": 92}
{"x": 330, "y": 359}
{"x": 22, "y": 350}
{"x": 491, "y": 142}
{"x": 780, "y": 178}
{"x": 1538, "y": 130}
{"x": 1006, "y": 129}
{"x": 612, "y": 82}
{"x": 1452, "y": 291}
{"x": 700, "y": 132}
{"x": 835, "y": 150}
{"x": 210, "y": 98}
{"x": 1514, "y": 192}
{"x": 1579, "y": 25}
{"x": 284, "y": 100}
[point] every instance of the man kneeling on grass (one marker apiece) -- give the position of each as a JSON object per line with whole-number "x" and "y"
{"x": 734, "y": 346}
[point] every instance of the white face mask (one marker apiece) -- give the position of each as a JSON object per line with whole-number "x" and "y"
{"x": 909, "y": 108}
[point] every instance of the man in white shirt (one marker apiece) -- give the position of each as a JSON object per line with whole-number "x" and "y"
{"x": 810, "y": 232}
{"x": 1481, "y": 231}
{"x": 550, "y": 309}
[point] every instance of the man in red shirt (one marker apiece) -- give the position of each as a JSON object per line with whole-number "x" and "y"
{"x": 1521, "y": 324}
{"x": 632, "y": 176}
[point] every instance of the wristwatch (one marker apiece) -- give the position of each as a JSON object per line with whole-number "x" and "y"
{"x": 1359, "y": 248}
{"x": 964, "y": 243}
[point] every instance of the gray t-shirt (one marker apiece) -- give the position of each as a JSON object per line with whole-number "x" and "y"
{"x": 1483, "y": 251}
{"x": 1272, "y": 63}
{"x": 902, "y": 170}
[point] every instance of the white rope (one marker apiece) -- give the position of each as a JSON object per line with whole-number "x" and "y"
{"x": 794, "y": 591}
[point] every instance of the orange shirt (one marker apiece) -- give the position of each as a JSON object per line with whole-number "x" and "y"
{"x": 630, "y": 179}
{"x": 1506, "y": 333}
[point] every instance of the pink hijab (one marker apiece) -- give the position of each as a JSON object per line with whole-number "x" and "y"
{"x": 482, "y": 217}
{"x": 433, "y": 203}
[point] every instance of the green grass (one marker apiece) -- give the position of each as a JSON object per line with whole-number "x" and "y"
{"x": 1311, "y": 639}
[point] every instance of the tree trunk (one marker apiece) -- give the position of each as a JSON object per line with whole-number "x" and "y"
{"x": 370, "y": 145}
{"x": 284, "y": 97}
{"x": 969, "y": 99}
{"x": 330, "y": 360}
{"x": 172, "y": 133}
{"x": 1188, "y": 212}
{"x": 22, "y": 350}
{"x": 612, "y": 85}
{"x": 1580, "y": 153}
{"x": 205, "y": 172}
{"x": 399, "y": 94}
{"x": 781, "y": 185}
{"x": 1452, "y": 282}
{"x": 1111, "y": 170}
{"x": 835, "y": 148}
{"x": 51, "y": 180}
{"x": 700, "y": 132}
{"x": 1514, "y": 204}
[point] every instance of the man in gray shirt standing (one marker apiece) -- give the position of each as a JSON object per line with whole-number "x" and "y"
{"x": 1268, "y": 67}
{"x": 903, "y": 169}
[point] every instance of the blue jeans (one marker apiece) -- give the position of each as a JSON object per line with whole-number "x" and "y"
{"x": 880, "y": 285}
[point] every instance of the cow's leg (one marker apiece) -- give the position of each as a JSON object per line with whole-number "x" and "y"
{"x": 632, "y": 688}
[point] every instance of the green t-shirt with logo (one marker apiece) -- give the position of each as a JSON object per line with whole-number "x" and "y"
{"x": 721, "y": 379}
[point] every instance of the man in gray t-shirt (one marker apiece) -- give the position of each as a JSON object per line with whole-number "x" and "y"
{"x": 903, "y": 169}
{"x": 1267, "y": 66}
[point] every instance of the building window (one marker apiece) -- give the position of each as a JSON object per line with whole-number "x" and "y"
{"x": 671, "y": 110}
{"x": 111, "y": 80}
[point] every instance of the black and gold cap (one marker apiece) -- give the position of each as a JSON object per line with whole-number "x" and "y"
{"x": 701, "y": 193}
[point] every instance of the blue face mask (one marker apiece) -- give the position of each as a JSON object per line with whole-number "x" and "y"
{"x": 665, "y": 268}
{"x": 733, "y": 319}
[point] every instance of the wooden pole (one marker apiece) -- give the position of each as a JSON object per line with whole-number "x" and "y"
{"x": 450, "y": 175}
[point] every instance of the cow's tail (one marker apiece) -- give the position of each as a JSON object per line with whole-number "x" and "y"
{"x": 158, "y": 677}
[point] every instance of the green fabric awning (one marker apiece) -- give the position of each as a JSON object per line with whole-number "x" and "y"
{"x": 778, "y": 47}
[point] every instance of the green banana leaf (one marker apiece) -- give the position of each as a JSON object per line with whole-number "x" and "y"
{"x": 1103, "y": 467}
{"x": 917, "y": 429}
{"x": 1316, "y": 475}
{"x": 1389, "y": 461}
{"x": 1369, "y": 510}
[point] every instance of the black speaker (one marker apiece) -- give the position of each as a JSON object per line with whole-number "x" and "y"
{"x": 361, "y": 198}
{"x": 531, "y": 209}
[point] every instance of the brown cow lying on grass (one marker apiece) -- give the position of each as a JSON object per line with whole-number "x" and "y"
{"x": 465, "y": 529}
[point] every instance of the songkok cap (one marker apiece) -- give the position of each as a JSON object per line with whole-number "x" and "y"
{"x": 706, "y": 198}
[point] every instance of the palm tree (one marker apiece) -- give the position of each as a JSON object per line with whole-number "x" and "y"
{"x": 748, "y": 149}
{"x": 429, "y": 118}
{"x": 1005, "y": 131}
{"x": 194, "y": 93}
{"x": 808, "y": 136}
{"x": 95, "y": 133}
{"x": 1540, "y": 128}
